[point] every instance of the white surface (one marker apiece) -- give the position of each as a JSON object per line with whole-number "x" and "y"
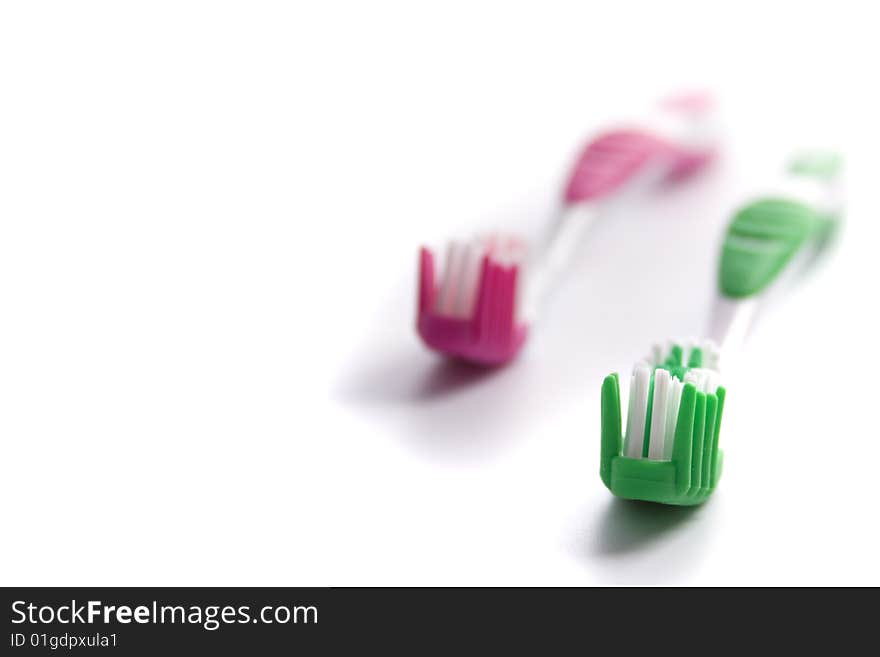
{"x": 209, "y": 216}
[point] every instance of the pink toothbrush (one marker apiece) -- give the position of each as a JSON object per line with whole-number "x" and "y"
{"x": 480, "y": 308}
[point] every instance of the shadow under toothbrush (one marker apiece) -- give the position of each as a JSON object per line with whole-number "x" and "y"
{"x": 447, "y": 376}
{"x": 396, "y": 379}
{"x": 629, "y": 525}
{"x": 639, "y": 543}
{"x": 443, "y": 409}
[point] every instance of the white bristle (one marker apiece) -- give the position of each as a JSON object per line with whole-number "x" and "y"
{"x": 672, "y": 417}
{"x": 710, "y": 355}
{"x": 446, "y": 298}
{"x": 704, "y": 379}
{"x": 505, "y": 253}
{"x": 712, "y": 382}
{"x": 657, "y": 354}
{"x": 465, "y": 299}
{"x": 666, "y": 401}
{"x": 662, "y": 389}
{"x": 459, "y": 280}
{"x": 638, "y": 411}
{"x": 687, "y": 347}
{"x": 517, "y": 251}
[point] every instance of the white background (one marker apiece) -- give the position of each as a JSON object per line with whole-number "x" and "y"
{"x": 209, "y": 216}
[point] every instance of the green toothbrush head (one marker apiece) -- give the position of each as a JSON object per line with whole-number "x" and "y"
{"x": 670, "y": 452}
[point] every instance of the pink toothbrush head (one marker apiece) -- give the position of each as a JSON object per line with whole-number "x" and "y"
{"x": 473, "y": 312}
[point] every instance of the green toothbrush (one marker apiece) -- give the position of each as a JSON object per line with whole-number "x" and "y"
{"x": 669, "y": 452}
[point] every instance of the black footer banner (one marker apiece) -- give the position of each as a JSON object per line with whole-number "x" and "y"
{"x": 151, "y": 621}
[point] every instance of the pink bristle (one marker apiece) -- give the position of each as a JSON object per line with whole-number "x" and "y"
{"x": 427, "y": 291}
{"x": 481, "y": 315}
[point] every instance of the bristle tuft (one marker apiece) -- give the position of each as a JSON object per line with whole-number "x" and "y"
{"x": 670, "y": 367}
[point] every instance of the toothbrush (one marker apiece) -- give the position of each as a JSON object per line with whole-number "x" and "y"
{"x": 669, "y": 451}
{"x": 481, "y": 306}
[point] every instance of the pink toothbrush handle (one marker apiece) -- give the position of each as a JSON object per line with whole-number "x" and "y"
{"x": 614, "y": 157}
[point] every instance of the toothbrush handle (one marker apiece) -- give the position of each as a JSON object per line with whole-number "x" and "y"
{"x": 669, "y": 145}
{"x": 768, "y": 245}
{"x": 558, "y": 254}
{"x": 680, "y": 136}
{"x": 730, "y": 322}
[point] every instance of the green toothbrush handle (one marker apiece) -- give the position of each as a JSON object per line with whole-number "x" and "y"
{"x": 765, "y": 236}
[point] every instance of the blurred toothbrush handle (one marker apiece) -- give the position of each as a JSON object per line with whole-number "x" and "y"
{"x": 558, "y": 254}
{"x": 730, "y": 322}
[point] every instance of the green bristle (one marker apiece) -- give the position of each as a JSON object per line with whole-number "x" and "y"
{"x": 674, "y": 362}
{"x": 647, "y": 441}
{"x": 674, "y": 359}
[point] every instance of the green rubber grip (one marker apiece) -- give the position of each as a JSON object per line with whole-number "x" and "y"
{"x": 765, "y": 235}
{"x": 762, "y": 239}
